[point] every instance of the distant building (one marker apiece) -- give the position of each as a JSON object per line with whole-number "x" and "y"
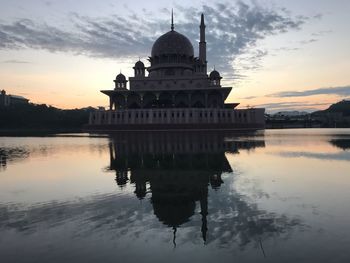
{"x": 8, "y": 100}
{"x": 177, "y": 93}
{"x": 290, "y": 113}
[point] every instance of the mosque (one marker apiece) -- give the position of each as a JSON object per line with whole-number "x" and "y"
{"x": 177, "y": 93}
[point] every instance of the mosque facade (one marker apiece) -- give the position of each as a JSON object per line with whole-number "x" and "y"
{"x": 174, "y": 92}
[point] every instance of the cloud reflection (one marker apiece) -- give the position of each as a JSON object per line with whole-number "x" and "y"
{"x": 339, "y": 156}
{"x": 174, "y": 179}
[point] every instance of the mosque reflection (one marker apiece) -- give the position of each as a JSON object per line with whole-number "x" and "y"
{"x": 343, "y": 144}
{"x": 175, "y": 169}
{"x": 184, "y": 179}
{"x": 8, "y": 155}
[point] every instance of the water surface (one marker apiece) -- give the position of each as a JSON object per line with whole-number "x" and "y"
{"x": 273, "y": 196}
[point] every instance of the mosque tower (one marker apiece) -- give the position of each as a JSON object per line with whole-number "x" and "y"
{"x": 202, "y": 44}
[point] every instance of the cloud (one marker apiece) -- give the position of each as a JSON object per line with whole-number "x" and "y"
{"x": 291, "y": 106}
{"x": 318, "y": 16}
{"x": 14, "y": 61}
{"x": 340, "y": 91}
{"x": 232, "y": 30}
{"x": 249, "y": 97}
{"x": 305, "y": 42}
{"x": 249, "y": 61}
{"x": 322, "y": 33}
{"x": 287, "y": 49}
{"x": 48, "y": 3}
{"x": 343, "y": 91}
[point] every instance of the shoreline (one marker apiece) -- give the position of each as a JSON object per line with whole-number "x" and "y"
{"x": 28, "y": 132}
{"x": 49, "y": 132}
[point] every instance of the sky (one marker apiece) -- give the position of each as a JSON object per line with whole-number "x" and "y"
{"x": 277, "y": 54}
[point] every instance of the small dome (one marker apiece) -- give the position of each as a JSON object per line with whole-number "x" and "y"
{"x": 120, "y": 78}
{"x": 139, "y": 64}
{"x": 172, "y": 43}
{"x": 214, "y": 75}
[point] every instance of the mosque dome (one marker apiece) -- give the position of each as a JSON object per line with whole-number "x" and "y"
{"x": 172, "y": 43}
{"x": 139, "y": 64}
{"x": 174, "y": 210}
{"x": 120, "y": 78}
{"x": 214, "y": 75}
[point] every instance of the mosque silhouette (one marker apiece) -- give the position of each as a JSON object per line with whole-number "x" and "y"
{"x": 175, "y": 170}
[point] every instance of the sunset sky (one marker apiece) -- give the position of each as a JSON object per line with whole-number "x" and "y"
{"x": 278, "y": 54}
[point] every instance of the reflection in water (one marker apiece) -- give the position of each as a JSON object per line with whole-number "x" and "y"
{"x": 177, "y": 168}
{"x": 341, "y": 143}
{"x": 8, "y": 155}
{"x": 18, "y": 149}
{"x": 178, "y": 171}
{"x": 339, "y": 156}
{"x": 173, "y": 189}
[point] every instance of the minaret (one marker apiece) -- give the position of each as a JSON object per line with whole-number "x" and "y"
{"x": 202, "y": 46}
{"x": 202, "y": 43}
{"x": 172, "y": 20}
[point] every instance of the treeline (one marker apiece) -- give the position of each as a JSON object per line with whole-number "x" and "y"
{"x": 337, "y": 115}
{"x": 32, "y": 116}
{"x": 342, "y": 107}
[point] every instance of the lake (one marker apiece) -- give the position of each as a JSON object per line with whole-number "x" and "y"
{"x": 269, "y": 196}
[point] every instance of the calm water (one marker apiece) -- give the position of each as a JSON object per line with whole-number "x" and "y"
{"x": 274, "y": 196}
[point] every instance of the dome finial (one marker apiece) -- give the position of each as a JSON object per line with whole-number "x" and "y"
{"x": 172, "y": 20}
